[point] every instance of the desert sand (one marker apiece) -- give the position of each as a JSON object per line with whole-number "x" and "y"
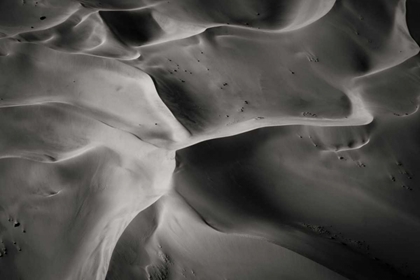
{"x": 198, "y": 139}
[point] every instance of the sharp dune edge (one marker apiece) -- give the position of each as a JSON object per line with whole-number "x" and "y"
{"x": 195, "y": 139}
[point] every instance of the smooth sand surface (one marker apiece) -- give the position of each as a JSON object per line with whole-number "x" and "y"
{"x": 197, "y": 139}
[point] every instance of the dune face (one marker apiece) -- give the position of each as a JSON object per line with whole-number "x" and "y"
{"x": 240, "y": 139}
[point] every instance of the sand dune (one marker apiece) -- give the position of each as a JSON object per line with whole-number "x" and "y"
{"x": 194, "y": 139}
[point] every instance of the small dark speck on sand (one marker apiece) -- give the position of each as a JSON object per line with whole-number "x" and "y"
{"x": 43, "y": 17}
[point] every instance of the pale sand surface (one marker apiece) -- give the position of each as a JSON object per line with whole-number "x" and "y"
{"x": 197, "y": 139}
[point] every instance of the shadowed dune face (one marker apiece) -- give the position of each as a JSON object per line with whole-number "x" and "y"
{"x": 284, "y": 15}
{"x": 319, "y": 181}
{"x": 207, "y": 95}
{"x": 413, "y": 24}
{"x": 294, "y": 125}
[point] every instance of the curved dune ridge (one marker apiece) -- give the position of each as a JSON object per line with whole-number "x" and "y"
{"x": 195, "y": 139}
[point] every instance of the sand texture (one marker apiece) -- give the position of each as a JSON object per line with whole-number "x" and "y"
{"x": 209, "y": 139}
